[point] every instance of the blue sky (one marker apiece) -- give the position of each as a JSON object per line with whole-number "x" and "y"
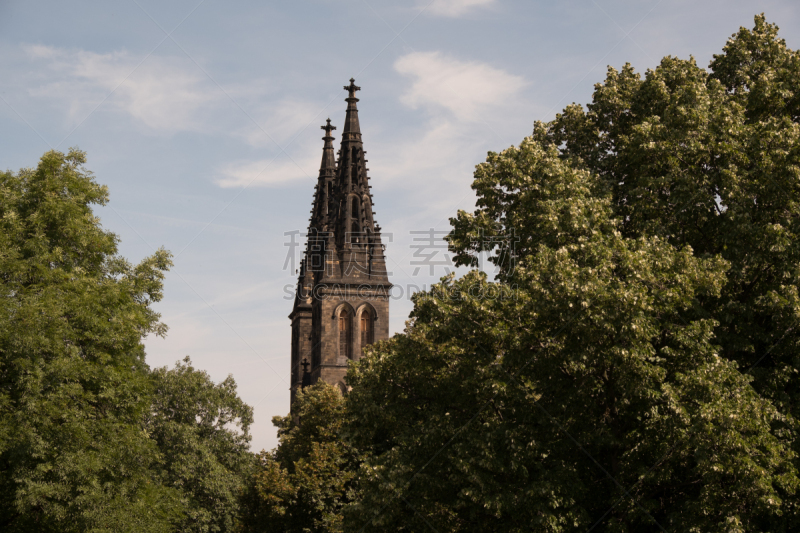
{"x": 203, "y": 118}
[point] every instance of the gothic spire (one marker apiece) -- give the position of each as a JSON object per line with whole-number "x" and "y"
{"x": 342, "y": 234}
{"x": 352, "y": 235}
{"x": 327, "y": 171}
{"x": 318, "y": 224}
{"x": 352, "y": 129}
{"x": 328, "y": 157}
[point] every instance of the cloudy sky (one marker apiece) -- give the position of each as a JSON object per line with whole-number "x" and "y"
{"x": 203, "y": 118}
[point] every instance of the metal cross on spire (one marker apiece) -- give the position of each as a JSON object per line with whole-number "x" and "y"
{"x": 352, "y": 88}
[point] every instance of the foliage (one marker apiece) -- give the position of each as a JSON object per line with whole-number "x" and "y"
{"x": 73, "y": 382}
{"x": 634, "y": 366}
{"x": 202, "y": 431}
{"x": 90, "y": 438}
{"x": 303, "y": 483}
{"x": 712, "y": 160}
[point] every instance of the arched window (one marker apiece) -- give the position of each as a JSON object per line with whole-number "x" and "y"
{"x": 345, "y": 343}
{"x": 367, "y": 328}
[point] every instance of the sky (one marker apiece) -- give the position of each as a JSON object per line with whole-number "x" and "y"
{"x": 203, "y": 118}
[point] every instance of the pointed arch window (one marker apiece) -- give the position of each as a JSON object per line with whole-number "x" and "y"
{"x": 345, "y": 337}
{"x": 367, "y": 328}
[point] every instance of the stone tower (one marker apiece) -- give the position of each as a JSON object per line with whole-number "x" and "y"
{"x": 342, "y": 298}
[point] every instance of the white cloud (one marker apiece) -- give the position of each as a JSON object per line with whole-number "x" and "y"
{"x": 434, "y": 151}
{"x": 456, "y": 8}
{"x": 283, "y": 120}
{"x": 467, "y": 103}
{"x": 466, "y": 89}
{"x": 165, "y": 94}
{"x": 430, "y": 172}
{"x": 461, "y": 96}
{"x": 267, "y": 172}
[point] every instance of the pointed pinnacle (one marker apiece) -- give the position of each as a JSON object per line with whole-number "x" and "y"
{"x": 351, "y": 89}
{"x": 328, "y": 129}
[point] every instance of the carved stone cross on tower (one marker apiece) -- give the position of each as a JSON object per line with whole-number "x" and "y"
{"x": 328, "y": 129}
{"x": 306, "y": 379}
{"x": 352, "y": 88}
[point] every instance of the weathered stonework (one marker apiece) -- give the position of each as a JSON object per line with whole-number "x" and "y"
{"x": 342, "y": 300}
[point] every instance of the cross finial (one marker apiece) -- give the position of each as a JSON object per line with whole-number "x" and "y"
{"x": 328, "y": 128}
{"x": 352, "y": 88}
{"x": 305, "y": 365}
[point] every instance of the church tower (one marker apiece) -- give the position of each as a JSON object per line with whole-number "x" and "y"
{"x": 342, "y": 298}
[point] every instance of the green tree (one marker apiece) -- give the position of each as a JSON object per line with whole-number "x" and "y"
{"x": 635, "y": 365}
{"x": 303, "y": 484}
{"x": 202, "y": 431}
{"x": 74, "y": 386}
{"x": 712, "y": 160}
{"x": 587, "y": 389}
{"x": 90, "y": 438}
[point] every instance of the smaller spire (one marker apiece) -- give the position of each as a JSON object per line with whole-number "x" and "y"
{"x": 328, "y": 159}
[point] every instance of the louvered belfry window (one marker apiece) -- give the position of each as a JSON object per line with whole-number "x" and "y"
{"x": 344, "y": 333}
{"x": 366, "y": 329}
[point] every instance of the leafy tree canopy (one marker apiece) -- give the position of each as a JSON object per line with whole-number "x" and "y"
{"x": 90, "y": 438}
{"x": 73, "y": 385}
{"x": 634, "y": 366}
{"x": 303, "y": 484}
{"x": 202, "y": 431}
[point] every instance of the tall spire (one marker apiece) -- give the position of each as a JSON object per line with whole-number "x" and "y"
{"x": 354, "y": 240}
{"x": 352, "y": 129}
{"x": 344, "y": 240}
